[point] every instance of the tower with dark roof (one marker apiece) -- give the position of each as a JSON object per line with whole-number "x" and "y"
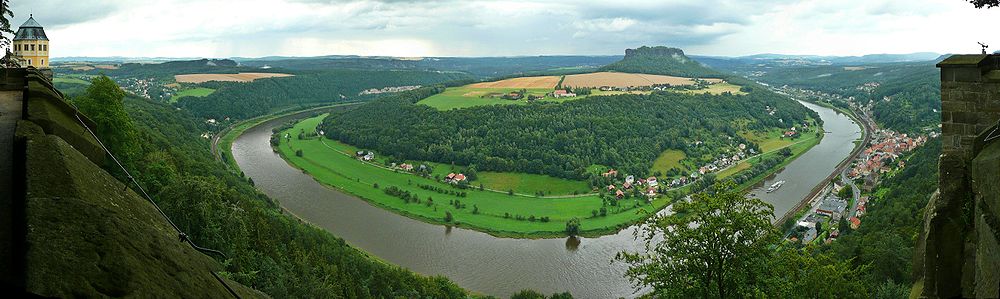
{"x": 31, "y": 44}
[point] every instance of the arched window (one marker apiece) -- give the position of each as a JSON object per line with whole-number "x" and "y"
{"x": 42, "y": 63}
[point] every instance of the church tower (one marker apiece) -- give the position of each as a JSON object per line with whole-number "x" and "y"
{"x": 31, "y": 44}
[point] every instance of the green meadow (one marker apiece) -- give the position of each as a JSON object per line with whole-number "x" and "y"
{"x": 332, "y": 163}
{"x": 667, "y": 160}
{"x": 193, "y": 92}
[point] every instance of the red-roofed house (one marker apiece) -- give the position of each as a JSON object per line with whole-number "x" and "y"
{"x": 619, "y": 194}
{"x": 855, "y": 222}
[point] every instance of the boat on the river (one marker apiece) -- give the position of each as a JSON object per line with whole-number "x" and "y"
{"x": 775, "y": 186}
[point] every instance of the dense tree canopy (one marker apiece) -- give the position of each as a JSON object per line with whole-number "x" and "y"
{"x": 626, "y": 132}
{"x": 721, "y": 244}
{"x": 905, "y": 97}
{"x": 103, "y": 102}
{"x": 245, "y": 100}
{"x": 267, "y": 249}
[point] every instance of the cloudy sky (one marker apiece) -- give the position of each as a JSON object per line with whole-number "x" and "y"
{"x": 254, "y": 28}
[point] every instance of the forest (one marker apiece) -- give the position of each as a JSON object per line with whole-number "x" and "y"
{"x": 479, "y": 67}
{"x": 907, "y": 97}
{"x": 245, "y": 100}
{"x": 626, "y": 132}
{"x": 166, "y": 71}
{"x": 267, "y": 249}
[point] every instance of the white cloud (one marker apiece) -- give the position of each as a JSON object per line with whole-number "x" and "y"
{"x": 220, "y": 28}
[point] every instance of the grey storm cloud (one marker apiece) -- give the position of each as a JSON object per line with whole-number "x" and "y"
{"x": 56, "y": 13}
{"x": 490, "y": 27}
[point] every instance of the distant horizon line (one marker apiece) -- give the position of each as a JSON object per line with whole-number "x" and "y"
{"x": 54, "y": 58}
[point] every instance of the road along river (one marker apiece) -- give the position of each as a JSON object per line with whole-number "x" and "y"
{"x": 488, "y": 264}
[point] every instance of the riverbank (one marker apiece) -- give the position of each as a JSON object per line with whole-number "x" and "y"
{"x": 581, "y": 265}
{"x": 802, "y": 207}
{"x": 224, "y": 139}
{"x": 497, "y": 213}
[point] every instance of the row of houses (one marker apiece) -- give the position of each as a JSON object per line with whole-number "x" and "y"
{"x": 886, "y": 145}
{"x": 390, "y": 89}
{"x": 650, "y": 185}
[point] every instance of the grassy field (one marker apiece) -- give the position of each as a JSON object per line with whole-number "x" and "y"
{"x": 771, "y": 140}
{"x": 193, "y": 92}
{"x": 667, "y": 160}
{"x": 326, "y": 161}
{"x": 531, "y": 183}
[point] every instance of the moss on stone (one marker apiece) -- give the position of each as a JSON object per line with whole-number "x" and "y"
{"x": 89, "y": 236}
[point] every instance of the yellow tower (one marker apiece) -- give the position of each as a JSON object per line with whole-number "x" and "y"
{"x": 31, "y": 44}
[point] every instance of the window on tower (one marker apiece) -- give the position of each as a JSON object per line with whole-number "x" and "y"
{"x": 32, "y": 47}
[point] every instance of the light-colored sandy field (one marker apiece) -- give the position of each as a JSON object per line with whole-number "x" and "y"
{"x": 625, "y": 80}
{"x": 241, "y": 77}
{"x": 106, "y": 66}
{"x": 522, "y": 82}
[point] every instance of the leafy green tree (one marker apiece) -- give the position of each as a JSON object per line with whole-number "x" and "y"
{"x": 573, "y": 226}
{"x": 527, "y": 294}
{"x": 712, "y": 247}
{"x": 722, "y": 244}
{"x": 104, "y": 103}
{"x": 5, "y": 16}
{"x": 846, "y": 192}
{"x": 448, "y": 217}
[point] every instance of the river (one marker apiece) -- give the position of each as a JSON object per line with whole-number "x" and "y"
{"x": 488, "y": 264}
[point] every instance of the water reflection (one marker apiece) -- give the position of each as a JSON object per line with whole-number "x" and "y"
{"x": 487, "y": 264}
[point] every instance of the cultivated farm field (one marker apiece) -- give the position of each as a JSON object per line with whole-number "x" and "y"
{"x": 522, "y": 82}
{"x": 623, "y": 80}
{"x": 240, "y": 77}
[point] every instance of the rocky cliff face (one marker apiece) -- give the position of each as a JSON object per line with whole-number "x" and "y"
{"x": 80, "y": 232}
{"x": 661, "y": 61}
{"x": 655, "y": 51}
{"x": 958, "y": 253}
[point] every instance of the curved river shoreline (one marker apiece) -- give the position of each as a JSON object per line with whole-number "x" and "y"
{"x": 488, "y": 264}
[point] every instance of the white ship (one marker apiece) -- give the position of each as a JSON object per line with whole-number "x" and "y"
{"x": 775, "y": 186}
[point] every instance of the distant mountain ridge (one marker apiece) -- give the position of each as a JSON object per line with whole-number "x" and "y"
{"x": 724, "y": 62}
{"x": 661, "y": 60}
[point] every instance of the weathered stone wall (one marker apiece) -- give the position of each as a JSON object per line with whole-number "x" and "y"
{"x": 957, "y": 254}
